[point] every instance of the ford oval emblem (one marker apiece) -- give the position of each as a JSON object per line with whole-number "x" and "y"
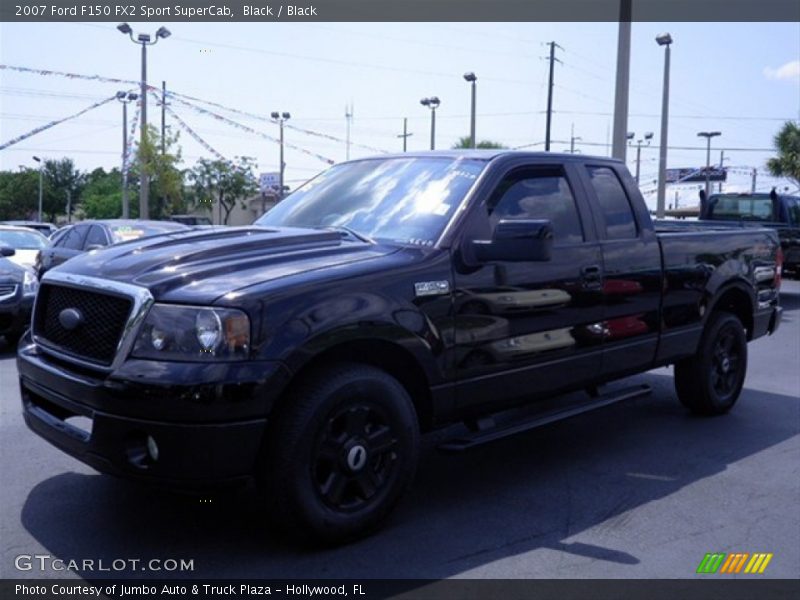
{"x": 70, "y": 318}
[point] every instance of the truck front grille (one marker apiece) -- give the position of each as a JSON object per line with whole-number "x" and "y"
{"x": 96, "y": 337}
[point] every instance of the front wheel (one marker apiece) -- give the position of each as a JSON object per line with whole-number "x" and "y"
{"x": 709, "y": 383}
{"x": 340, "y": 454}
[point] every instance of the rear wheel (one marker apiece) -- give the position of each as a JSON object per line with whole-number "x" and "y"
{"x": 709, "y": 383}
{"x": 341, "y": 452}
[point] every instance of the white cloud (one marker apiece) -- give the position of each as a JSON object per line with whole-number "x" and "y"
{"x": 790, "y": 71}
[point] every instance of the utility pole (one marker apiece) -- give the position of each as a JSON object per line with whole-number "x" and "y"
{"x": 405, "y": 135}
{"x": 664, "y": 39}
{"x": 41, "y": 164}
{"x": 572, "y": 139}
{"x": 163, "y": 117}
{"x": 348, "y": 115}
{"x": 618, "y": 149}
{"x": 125, "y": 98}
{"x": 722, "y": 168}
{"x": 552, "y": 59}
{"x": 753, "y": 184}
{"x": 280, "y": 118}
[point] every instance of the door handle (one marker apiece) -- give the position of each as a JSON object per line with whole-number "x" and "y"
{"x": 591, "y": 276}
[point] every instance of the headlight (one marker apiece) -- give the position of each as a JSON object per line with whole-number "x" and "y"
{"x": 30, "y": 285}
{"x": 190, "y": 333}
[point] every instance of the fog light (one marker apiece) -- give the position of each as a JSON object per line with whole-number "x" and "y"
{"x": 152, "y": 448}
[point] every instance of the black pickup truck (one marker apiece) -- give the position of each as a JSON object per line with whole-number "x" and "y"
{"x": 773, "y": 211}
{"x": 387, "y": 297}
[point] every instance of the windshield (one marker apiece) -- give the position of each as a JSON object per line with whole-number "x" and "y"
{"x": 124, "y": 233}
{"x": 405, "y": 200}
{"x": 23, "y": 240}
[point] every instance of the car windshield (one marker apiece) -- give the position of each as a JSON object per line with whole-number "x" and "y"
{"x": 405, "y": 200}
{"x": 124, "y": 233}
{"x": 23, "y": 240}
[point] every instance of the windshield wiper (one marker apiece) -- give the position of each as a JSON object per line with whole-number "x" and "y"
{"x": 350, "y": 232}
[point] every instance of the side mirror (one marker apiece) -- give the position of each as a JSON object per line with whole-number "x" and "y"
{"x": 7, "y": 251}
{"x": 518, "y": 241}
{"x": 91, "y": 247}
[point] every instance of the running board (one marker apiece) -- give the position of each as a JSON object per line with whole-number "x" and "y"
{"x": 486, "y": 431}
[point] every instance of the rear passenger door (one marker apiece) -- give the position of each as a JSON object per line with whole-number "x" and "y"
{"x": 632, "y": 275}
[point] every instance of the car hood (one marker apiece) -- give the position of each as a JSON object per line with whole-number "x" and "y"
{"x": 24, "y": 258}
{"x": 200, "y": 266}
{"x": 10, "y": 271}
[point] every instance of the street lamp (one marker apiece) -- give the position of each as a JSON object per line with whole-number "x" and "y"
{"x": 664, "y": 39}
{"x": 125, "y": 98}
{"x": 647, "y": 137}
{"x": 41, "y": 164}
{"x": 708, "y": 135}
{"x": 471, "y": 78}
{"x": 281, "y": 118}
{"x": 145, "y": 40}
{"x": 433, "y": 103}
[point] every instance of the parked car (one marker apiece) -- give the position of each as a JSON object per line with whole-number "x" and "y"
{"x": 18, "y": 286}
{"x": 46, "y": 229}
{"x": 81, "y": 237}
{"x": 309, "y": 351}
{"x": 26, "y": 242}
{"x": 192, "y": 220}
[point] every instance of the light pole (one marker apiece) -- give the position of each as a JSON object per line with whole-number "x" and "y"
{"x": 471, "y": 78}
{"x": 647, "y": 137}
{"x": 664, "y": 39}
{"x": 145, "y": 40}
{"x": 433, "y": 103}
{"x": 125, "y": 98}
{"x": 708, "y": 135}
{"x": 41, "y": 164}
{"x": 281, "y": 118}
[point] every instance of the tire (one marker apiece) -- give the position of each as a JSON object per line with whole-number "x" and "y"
{"x": 709, "y": 383}
{"x": 340, "y": 453}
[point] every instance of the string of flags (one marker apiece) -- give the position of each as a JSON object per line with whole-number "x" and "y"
{"x": 67, "y": 75}
{"x": 195, "y": 135}
{"x": 41, "y": 128}
{"x": 287, "y": 125}
{"x": 238, "y": 125}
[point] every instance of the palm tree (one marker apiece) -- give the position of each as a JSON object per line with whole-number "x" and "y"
{"x": 787, "y": 163}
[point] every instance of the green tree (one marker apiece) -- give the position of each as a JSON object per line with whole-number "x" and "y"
{"x": 787, "y": 143}
{"x": 165, "y": 178}
{"x": 222, "y": 183}
{"x": 102, "y": 194}
{"x": 62, "y": 187}
{"x": 466, "y": 143}
{"x": 19, "y": 194}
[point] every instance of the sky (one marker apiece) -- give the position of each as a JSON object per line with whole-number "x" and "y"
{"x": 742, "y": 79}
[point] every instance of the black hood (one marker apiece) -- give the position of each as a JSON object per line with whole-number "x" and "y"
{"x": 199, "y": 266}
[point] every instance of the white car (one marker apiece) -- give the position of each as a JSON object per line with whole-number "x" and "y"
{"x": 27, "y": 243}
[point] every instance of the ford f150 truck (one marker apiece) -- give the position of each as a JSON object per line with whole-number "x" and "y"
{"x": 387, "y": 297}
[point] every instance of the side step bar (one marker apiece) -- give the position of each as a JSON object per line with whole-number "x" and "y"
{"x": 486, "y": 431}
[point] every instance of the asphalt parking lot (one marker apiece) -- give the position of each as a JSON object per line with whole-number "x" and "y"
{"x": 636, "y": 490}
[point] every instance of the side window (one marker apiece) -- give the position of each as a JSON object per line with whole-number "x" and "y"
{"x": 614, "y": 203}
{"x": 96, "y": 237}
{"x": 540, "y": 195}
{"x": 57, "y": 239}
{"x": 74, "y": 239}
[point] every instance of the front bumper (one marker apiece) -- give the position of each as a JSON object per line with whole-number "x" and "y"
{"x": 766, "y": 321}
{"x": 205, "y": 422}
